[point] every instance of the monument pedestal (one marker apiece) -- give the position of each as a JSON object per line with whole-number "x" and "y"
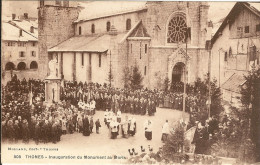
{"x": 52, "y": 90}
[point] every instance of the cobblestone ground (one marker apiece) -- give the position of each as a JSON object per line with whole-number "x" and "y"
{"x": 97, "y": 144}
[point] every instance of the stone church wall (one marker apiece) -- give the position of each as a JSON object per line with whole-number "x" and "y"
{"x": 55, "y": 25}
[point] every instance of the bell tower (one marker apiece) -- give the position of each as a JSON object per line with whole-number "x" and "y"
{"x": 55, "y": 25}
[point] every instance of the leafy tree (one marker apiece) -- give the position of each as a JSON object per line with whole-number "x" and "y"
{"x": 136, "y": 79}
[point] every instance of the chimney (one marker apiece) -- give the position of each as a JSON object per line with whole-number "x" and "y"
{"x": 25, "y": 15}
{"x": 13, "y": 16}
{"x": 21, "y": 33}
{"x": 209, "y": 30}
{"x": 32, "y": 29}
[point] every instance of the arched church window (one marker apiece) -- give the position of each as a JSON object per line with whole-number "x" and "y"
{"x": 108, "y": 26}
{"x": 92, "y": 28}
{"x": 177, "y": 28}
{"x": 128, "y": 24}
{"x": 79, "y": 30}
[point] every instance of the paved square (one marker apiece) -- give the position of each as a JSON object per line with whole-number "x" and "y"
{"x": 100, "y": 144}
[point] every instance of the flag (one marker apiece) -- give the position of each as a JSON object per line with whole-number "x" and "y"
{"x": 30, "y": 97}
{"x": 252, "y": 53}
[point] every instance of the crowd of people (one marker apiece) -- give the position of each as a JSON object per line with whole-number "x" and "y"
{"x": 134, "y": 102}
{"x": 22, "y": 105}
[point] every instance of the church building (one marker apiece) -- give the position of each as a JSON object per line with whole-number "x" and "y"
{"x": 164, "y": 39}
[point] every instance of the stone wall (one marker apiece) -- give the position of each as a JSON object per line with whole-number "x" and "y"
{"x": 11, "y": 53}
{"x": 230, "y": 51}
{"x": 118, "y": 21}
{"x": 55, "y": 25}
{"x": 159, "y": 14}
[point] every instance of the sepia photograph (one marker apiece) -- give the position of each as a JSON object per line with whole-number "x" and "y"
{"x": 130, "y": 82}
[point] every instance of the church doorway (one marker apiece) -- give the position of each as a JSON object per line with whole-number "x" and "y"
{"x": 178, "y": 72}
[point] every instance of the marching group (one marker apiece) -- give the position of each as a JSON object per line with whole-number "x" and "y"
{"x": 75, "y": 113}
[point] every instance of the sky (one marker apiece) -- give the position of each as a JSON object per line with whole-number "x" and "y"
{"x": 217, "y": 10}
{"x": 19, "y": 8}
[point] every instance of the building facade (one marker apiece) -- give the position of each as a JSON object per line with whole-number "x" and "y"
{"x": 162, "y": 38}
{"x": 19, "y": 49}
{"x": 235, "y": 49}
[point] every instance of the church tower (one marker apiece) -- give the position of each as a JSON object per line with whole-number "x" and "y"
{"x": 55, "y": 25}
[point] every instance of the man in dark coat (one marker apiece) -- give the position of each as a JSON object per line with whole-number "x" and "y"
{"x": 97, "y": 123}
{"x": 86, "y": 131}
{"x": 91, "y": 124}
{"x": 54, "y": 132}
{"x": 37, "y": 132}
{"x": 25, "y": 131}
{"x": 16, "y": 131}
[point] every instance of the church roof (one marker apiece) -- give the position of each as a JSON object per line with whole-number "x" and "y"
{"x": 97, "y": 43}
{"x": 139, "y": 31}
{"x": 234, "y": 83}
{"x": 252, "y": 7}
{"x": 100, "y": 9}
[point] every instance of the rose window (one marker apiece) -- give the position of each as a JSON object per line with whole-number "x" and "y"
{"x": 176, "y": 30}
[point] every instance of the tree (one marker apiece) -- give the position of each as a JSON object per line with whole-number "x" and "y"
{"x": 202, "y": 88}
{"x": 173, "y": 148}
{"x": 136, "y": 79}
{"x": 110, "y": 75}
{"x": 241, "y": 136}
{"x": 126, "y": 77}
{"x": 250, "y": 100}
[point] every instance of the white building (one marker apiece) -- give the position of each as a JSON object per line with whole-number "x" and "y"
{"x": 19, "y": 49}
{"x": 235, "y": 48}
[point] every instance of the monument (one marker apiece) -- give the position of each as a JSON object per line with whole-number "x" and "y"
{"x": 53, "y": 83}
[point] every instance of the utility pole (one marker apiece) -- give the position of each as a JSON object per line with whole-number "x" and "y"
{"x": 209, "y": 83}
{"x": 110, "y": 77}
{"x": 185, "y": 80}
{"x": 186, "y": 57}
